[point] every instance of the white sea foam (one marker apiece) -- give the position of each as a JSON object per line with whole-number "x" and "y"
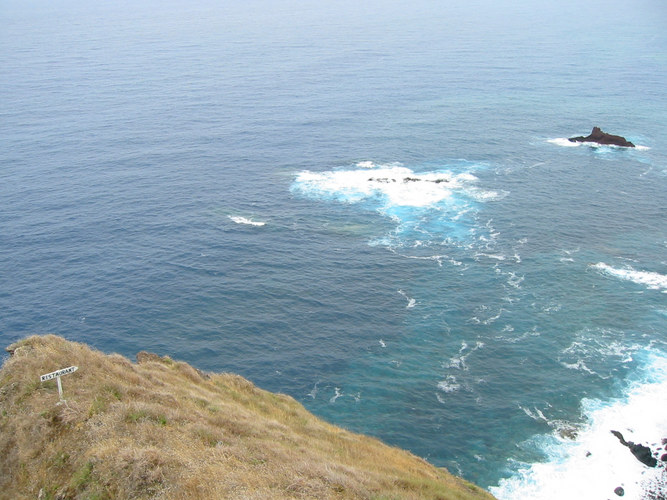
{"x": 459, "y": 361}
{"x": 243, "y": 220}
{"x": 466, "y": 177}
{"x": 591, "y": 463}
{"x": 567, "y": 255}
{"x": 399, "y": 185}
{"x": 565, "y": 142}
{"x": 598, "y": 351}
{"x": 427, "y": 207}
{"x": 652, "y": 280}
{"x": 483, "y": 311}
{"x": 483, "y": 195}
{"x": 564, "y": 429}
{"x": 411, "y": 302}
{"x": 580, "y": 365}
{"x": 437, "y": 258}
{"x": 449, "y": 384}
{"x": 313, "y": 392}
{"x": 489, "y": 256}
{"x": 513, "y": 280}
{"x": 512, "y": 339}
{"x": 552, "y": 307}
{"x": 336, "y": 395}
{"x": 366, "y": 164}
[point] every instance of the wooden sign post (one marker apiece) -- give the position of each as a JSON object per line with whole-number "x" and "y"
{"x": 57, "y": 374}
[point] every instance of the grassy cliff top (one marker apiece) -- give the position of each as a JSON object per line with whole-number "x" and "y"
{"x": 162, "y": 429}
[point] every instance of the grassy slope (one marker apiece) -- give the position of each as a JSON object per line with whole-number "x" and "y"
{"x": 162, "y": 429}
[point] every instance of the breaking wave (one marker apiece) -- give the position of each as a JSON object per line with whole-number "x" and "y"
{"x": 246, "y": 221}
{"x": 652, "y": 280}
{"x": 429, "y": 207}
{"x": 565, "y": 142}
{"x": 588, "y": 461}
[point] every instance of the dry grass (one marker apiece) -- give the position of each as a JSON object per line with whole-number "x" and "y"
{"x": 162, "y": 429}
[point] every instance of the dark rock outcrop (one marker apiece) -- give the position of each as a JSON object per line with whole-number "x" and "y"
{"x": 600, "y": 137}
{"x": 385, "y": 180}
{"x": 641, "y": 452}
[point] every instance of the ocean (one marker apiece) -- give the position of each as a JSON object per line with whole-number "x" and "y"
{"x": 369, "y": 206}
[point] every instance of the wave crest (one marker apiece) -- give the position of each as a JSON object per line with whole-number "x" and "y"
{"x": 244, "y": 220}
{"x": 652, "y": 280}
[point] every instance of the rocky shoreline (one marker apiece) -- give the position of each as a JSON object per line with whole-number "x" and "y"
{"x": 654, "y": 456}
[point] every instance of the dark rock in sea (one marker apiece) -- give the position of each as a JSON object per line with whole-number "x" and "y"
{"x": 620, "y": 437}
{"x": 568, "y": 432}
{"x": 619, "y": 491}
{"x": 604, "y": 138}
{"x": 415, "y": 179}
{"x": 664, "y": 457}
{"x": 657, "y": 490}
{"x": 641, "y": 452}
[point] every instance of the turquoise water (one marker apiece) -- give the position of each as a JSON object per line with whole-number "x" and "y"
{"x": 368, "y": 207}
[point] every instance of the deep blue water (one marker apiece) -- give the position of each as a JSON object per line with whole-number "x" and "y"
{"x": 251, "y": 187}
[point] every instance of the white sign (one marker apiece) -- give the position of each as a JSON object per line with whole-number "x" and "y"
{"x": 58, "y": 373}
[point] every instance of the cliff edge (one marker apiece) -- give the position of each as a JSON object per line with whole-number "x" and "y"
{"x": 163, "y": 429}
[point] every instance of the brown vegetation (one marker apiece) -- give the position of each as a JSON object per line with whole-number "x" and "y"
{"x": 162, "y": 429}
